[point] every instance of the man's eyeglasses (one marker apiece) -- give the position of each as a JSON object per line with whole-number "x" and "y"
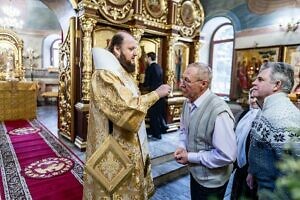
{"x": 185, "y": 80}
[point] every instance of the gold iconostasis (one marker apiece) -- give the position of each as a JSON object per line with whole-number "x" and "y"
{"x": 168, "y": 28}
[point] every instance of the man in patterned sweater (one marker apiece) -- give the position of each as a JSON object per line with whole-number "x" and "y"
{"x": 275, "y": 126}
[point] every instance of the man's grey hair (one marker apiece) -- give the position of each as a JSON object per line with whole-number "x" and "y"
{"x": 281, "y": 72}
{"x": 204, "y": 71}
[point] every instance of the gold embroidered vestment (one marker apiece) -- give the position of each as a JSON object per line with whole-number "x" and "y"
{"x": 112, "y": 100}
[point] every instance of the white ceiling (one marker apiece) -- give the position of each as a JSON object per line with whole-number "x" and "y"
{"x": 35, "y": 14}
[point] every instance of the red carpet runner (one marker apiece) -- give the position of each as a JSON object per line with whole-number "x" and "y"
{"x": 36, "y": 165}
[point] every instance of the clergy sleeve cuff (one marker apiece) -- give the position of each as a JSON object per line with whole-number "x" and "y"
{"x": 130, "y": 121}
{"x": 154, "y": 95}
{"x": 193, "y": 157}
{"x": 148, "y": 100}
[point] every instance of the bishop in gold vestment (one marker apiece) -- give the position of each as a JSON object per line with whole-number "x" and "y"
{"x": 118, "y": 165}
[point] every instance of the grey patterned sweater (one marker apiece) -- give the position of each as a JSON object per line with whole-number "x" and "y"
{"x": 271, "y": 131}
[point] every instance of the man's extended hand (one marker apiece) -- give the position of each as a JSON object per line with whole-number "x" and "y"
{"x": 181, "y": 156}
{"x": 163, "y": 90}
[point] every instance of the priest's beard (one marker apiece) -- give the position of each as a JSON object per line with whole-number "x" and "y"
{"x": 128, "y": 66}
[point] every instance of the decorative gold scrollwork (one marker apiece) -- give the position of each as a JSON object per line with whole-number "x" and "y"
{"x": 116, "y": 11}
{"x": 137, "y": 33}
{"x": 190, "y": 17}
{"x": 64, "y": 95}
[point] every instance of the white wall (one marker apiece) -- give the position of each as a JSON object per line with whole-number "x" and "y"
{"x": 206, "y": 34}
{"x": 36, "y": 40}
{"x": 46, "y": 48}
{"x": 32, "y": 41}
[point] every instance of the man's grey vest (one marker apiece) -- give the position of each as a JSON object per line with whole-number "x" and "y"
{"x": 200, "y": 130}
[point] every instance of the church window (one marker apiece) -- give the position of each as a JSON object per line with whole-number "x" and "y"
{"x": 54, "y": 53}
{"x": 221, "y": 59}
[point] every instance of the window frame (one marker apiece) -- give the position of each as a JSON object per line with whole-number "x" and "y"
{"x": 211, "y": 53}
{"x": 58, "y": 40}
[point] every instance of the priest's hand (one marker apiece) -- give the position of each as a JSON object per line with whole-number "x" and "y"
{"x": 163, "y": 90}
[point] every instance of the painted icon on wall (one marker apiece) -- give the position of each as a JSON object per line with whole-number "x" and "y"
{"x": 247, "y": 65}
{"x": 292, "y": 56}
{"x": 187, "y": 13}
{"x": 180, "y": 61}
{"x": 156, "y": 8}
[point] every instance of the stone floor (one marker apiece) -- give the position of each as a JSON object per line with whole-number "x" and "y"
{"x": 177, "y": 189}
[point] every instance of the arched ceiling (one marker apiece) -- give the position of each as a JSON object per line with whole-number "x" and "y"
{"x": 245, "y": 14}
{"x": 63, "y": 9}
{"x": 34, "y": 13}
{"x": 42, "y": 15}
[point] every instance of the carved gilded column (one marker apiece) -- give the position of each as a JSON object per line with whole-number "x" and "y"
{"x": 87, "y": 25}
{"x": 20, "y": 66}
{"x": 197, "y": 46}
{"x": 137, "y": 34}
{"x": 170, "y": 62}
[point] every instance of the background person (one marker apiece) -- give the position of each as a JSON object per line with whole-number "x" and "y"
{"x": 207, "y": 139}
{"x": 153, "y": 79}
{"x": 117, "y": 112}
{"x": 238, "y": 186}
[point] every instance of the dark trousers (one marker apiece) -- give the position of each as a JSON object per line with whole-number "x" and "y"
{"x": 240, "y": 187}
{"x": 156, "y": 118}
{"x": 198, "y": 192}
